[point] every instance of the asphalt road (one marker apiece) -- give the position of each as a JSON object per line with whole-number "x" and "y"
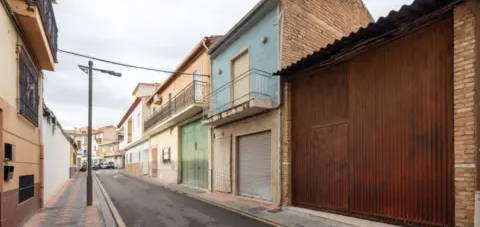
{"x": 143, "y": 204}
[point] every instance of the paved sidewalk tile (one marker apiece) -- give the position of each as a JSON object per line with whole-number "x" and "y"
{"x": 68, "y": 207}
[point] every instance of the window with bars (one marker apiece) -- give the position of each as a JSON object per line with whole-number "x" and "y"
{"x": 26, "y": 188}
{"x": 28, "y": 95}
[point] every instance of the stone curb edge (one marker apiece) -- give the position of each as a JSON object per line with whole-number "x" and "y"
{"x": 204, "y": 200}
{"x": 116, "y": 215}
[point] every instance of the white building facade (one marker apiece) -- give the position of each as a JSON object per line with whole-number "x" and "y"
{"x": 57, "y": 155}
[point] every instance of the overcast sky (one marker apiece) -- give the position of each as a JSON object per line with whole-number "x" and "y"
{"x": 142, "y": 32}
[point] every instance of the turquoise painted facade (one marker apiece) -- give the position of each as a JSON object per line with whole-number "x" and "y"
{"x": 262, "y": 42}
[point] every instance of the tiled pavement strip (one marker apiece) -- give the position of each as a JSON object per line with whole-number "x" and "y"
{"x": 68, "y": 207}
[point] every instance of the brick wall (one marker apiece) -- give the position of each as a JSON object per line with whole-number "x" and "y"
{"x": 465, "y": 138}
{"x": 308, "y": 25}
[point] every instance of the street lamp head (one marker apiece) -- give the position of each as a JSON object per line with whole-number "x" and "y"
{"x": 83, "y": 68}
{"x": 109, "y": 72}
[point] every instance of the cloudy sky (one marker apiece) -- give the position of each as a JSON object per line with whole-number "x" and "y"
{"x": 142, "y": 32}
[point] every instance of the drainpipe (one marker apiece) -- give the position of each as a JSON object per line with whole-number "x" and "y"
{"x": 280, "y": 114}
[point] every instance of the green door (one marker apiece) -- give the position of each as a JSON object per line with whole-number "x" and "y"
{"x": 195, "y": 155}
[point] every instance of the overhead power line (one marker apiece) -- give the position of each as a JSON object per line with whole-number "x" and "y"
{"x": 127, "y": 65}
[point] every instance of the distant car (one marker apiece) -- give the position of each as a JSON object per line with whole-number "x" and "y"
{"x": 110, "y": 165}
{"x": 96, "y": 166}
{"x": 107, "y": 165}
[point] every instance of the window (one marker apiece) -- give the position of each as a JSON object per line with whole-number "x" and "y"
{"x": 26, "y": 188}
{"x": 138, "y": 120}
{"x": 28, "y": 96}
{"x": 197, "y": 81}
{"x": 129, "y": 130}
{"x": 166, "y": 154}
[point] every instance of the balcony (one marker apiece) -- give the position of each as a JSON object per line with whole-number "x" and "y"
{"x": 37, "y": 21}
{"x": 186, "y": 104}
{"x": 252, "y": 92}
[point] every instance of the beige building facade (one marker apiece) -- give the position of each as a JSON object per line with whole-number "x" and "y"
{"x": 26, "y": 48}
{"x": 132, "y": 143}
{"x": 179, "y": 101}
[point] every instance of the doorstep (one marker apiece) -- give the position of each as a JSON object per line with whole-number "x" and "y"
{"x": 287, "y": 216}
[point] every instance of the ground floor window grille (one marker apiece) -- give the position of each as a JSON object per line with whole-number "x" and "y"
{"x": 26, "y": 188}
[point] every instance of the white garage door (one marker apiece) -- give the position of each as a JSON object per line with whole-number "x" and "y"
{"x": 254, "y": 166}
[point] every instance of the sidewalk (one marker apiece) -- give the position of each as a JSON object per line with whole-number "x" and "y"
{"x": 68, "y": 207}
{"x": 292, "y": 217}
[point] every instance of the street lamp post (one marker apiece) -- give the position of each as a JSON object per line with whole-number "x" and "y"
{"x": 89, "y": 70}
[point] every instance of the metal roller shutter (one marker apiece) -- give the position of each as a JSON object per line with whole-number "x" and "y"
{"x": 254, "y": 166}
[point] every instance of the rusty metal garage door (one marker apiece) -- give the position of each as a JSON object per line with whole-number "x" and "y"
{"x": 373, "y": 136}
{"x": 254, "y": 166}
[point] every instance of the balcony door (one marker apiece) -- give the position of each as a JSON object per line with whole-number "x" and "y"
{"x": 197, "y": 84}
{"x": 240, "y": 78}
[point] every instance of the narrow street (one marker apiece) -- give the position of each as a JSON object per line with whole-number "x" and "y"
{"x": 143, "y": 204}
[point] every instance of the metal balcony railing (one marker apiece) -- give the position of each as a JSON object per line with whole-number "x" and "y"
{"x": 250, "y": 85}
{"x": 28, "y": 95}
{"x": 194, "y": 93}
{"x": 49, "y": 23}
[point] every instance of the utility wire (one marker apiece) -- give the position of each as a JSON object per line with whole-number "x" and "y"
{"x": 128, "y": 65}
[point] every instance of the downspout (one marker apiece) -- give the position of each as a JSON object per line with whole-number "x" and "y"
{"x": 280, "y": 114}
{"x": 210, "y": 140}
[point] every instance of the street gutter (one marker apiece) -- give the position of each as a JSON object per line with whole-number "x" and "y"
{"x": 113, "y": 209}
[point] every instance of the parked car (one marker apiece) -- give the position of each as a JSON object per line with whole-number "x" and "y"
{"x": 108, "y": 165}
{"x": 83, "y": 168}
{"x": 111, "y": 165}
{"x": 96, "y": 166}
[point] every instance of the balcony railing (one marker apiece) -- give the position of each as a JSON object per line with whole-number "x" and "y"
{"x": 49, "y": 23}
{"x": 194, "y": 93}
{"x": 254, "y": 84}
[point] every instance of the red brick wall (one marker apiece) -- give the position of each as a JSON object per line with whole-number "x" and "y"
{"x": 465, "y": 115}
{"x": 307, "y": 26}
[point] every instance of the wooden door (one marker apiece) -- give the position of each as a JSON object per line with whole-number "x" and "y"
{"x": 154, "y": 164}
{"x": 222, "y": 159}
{"x": 188, "y": 156}
{"x": 241, "y": 78}
{"x": 195, "y": 155}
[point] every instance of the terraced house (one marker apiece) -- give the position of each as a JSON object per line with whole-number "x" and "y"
{"x": 28, "y": 45}
{"x": 179, "y": 147}
{"x": 134, "y": 145}
{"x": 244, "y": 114}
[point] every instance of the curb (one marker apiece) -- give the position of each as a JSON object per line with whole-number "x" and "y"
{"x": 213, "y": 203}
{"x": 116, "y": 215}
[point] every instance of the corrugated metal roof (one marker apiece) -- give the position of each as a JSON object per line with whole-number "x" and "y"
{"x": 384, "y": 28}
